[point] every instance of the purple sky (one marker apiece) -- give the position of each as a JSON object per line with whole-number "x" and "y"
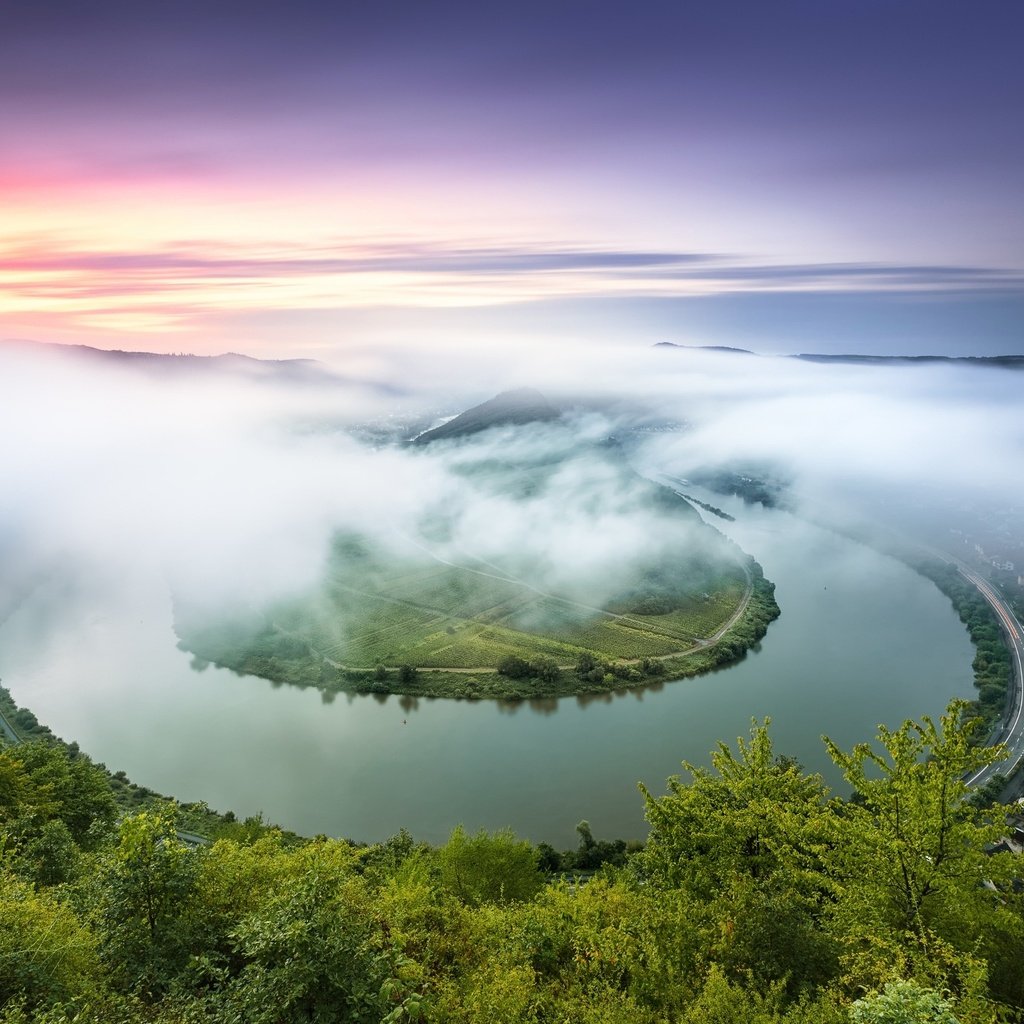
{"x": 305, "y": 177}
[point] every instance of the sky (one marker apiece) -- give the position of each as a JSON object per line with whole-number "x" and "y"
{"x": 329, "y": 179}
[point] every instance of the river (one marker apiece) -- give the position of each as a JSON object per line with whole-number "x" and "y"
{"x": 862, "y": 639}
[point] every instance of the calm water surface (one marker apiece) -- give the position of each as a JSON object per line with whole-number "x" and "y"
{"x": 862, "y": 640}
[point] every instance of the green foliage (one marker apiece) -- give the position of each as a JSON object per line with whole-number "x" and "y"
{"x": 911, "y": 817}
{"x": 53, "y": 806}
{"x": 722, "y": 1001}
{"x": 49, "y": 854}
{"x": 590, "y": 855}
{"x": 903, "y": 1002}
{"x": 308, "y": 950}
{"x": 514, "y": 667}
{"x": 746, "y": 839}
{"x": 908, "y": 854}
{"x": 752, "y": 816}
{"x": 142, "y": 895}
{"x": 759, "y": 898}
{"x": 54, "y": 785}
{"x": 992, "y": 668}
{"x": 489, "y": 868}
{"x": 47, "y": 954}
{"x": 540, "y": 670}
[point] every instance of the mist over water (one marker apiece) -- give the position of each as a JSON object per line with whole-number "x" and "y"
{"x": 124, "y": 486}
{"x": 862, "y": 640}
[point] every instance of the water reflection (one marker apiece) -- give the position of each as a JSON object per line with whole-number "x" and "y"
{"x": 585, "y": 700}
{"x": 881, "y": 645}
{"x": 544, "y": 705}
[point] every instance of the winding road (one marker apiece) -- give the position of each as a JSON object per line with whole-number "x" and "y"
{"x": 1011, "y": 728}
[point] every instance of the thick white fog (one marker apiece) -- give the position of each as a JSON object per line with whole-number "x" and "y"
{"x": 231, "y": 484}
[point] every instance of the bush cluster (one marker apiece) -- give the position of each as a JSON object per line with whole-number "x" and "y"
{"x": 758, "y": 898}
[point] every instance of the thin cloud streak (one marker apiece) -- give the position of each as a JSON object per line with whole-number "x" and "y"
{"x": 38, "y": 277}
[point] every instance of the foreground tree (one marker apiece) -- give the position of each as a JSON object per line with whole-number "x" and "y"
{"x": 744, "y": 841}
{"x": 903, "y": 1002}
{"x": 144, "y": 898}
{"x": 52, "y": 803}
{"x": 46, "y": 954}
{"x": 308, "y": 952}
{"x": 914, "y": 884}
{"x": 486, "y": 868}
{"x": 755, "y": 815}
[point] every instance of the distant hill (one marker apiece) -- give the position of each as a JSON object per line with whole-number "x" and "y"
{"x": 1009, "y": 362}
{"x": 232, "y": 361}
{"x": 282, "y": 371}
{"x": 705, "y": 348}
{"x": 1002, "y": 362}
{"x": 524, "y": 405}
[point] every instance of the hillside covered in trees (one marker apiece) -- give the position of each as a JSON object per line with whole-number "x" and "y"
{"x": 758, "y": 897}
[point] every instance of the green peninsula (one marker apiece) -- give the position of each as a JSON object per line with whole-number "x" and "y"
{"x": 554, "y": 569}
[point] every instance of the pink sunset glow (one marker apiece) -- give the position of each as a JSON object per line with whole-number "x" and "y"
{"x": 177, "y": 181}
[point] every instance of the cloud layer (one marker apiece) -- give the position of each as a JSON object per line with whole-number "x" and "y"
{"x": 234, "y": 486}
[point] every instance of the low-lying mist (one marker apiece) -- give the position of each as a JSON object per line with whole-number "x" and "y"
{"x": 231, "y": 485}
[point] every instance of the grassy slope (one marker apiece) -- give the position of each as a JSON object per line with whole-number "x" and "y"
{"x": 455, "y": 618}
{"x": 275, "y": 655}
{"x": 448, "y": 617}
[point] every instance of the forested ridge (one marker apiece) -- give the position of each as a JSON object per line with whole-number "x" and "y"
{"x": 993, "y": 671}
{"x": 758, "y": 896}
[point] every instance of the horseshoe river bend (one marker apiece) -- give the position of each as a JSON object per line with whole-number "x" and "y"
{"x": 862, "y": 639}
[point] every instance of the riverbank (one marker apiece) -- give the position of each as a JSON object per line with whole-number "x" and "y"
{"x": 22, "y": 726}
{"x": 862, "y": 640}
{"x": 515, "y": 679}
{"x": 997, "y": 677}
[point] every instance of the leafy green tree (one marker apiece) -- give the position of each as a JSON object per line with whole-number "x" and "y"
{"x": 43, "y": 781}
{"x": 384, "y": 859}
{"x": 486, "y": 868}
{"x": 16, "y": 789}
{"x": 907, "y": 856}
{"x": 912, "y": 822}
{"x": 514, "y": 667}
{"x": 753, "y": 816}
{"x": 46, "y": 954}
{"x": 722, "y": 1001}
{"x": 652, "y": 667}
{"x": 745, "y": 841}
{"x": 309, "y": 953}
{"x": 586, "y": 835}
{"x": 903, "y": 1002}
{"x": 592, "y": 853}
{"x": 545, "y": 669}
{"x": 145, "y": 888}
{"x": 50, "y": 856}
